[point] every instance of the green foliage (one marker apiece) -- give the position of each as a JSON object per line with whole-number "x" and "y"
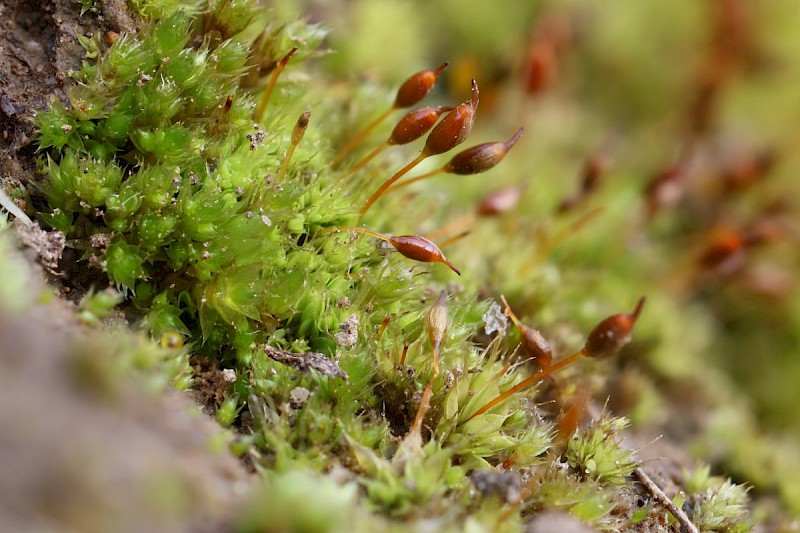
{"x": 162, "y": 175}
{"x": 105, "y": 361}
{"x": 159, "y": 151}
{"x": 98, "y": 305}
{"x": 327, "y": 507}
{"x": 718, "y": 504}
{"x": 597, "y": 454}
{"x": 555, "y": 487}
{"x": 88, "y": 5}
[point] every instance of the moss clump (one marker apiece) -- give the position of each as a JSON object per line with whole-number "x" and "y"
{"x": 162, "y": 177}
{"x": 597, "y": 455}
{"x": 716, "y": 504}
{"x": 229, "y": 230}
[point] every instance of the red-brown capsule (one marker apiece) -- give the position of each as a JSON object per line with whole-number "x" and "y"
{"x": 747, "y": 171}
{"x": 285, "y": 59}
{"x": 591, "y": 173}
{"x": 665, "y": 188}
{"x": 451, "y": 131}
{"x": 574, "y": 413}
{"x": 417, "y": 87}
{"x": 593, "y": 170}
{"x": 420, "y": 249}
{"x": 762, "y": 232}
{"x": 416, "y": 124}
{"x": 300, "y": 127}
{"x": 605, "y": 340}
{"x": 499, "y": 201}
{"x": 454, "y": 127}
{"x": 536, "y": 346}
{"x": 411, "y": 246}
{"x": 723, "y": 248}
{"x": 610, "y": 335}
{"x": 482, "y": 157}
{"x": 541, "y": 68}
{"x": 533, "y": 343}
{"x": 297, "y": 135}
{"x": 227, "y": 105}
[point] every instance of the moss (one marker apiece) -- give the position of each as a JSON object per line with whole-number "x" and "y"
{"x": 227, "y": 228}
{"x": 718, "y": 505}
{"x": 597, "y": 455}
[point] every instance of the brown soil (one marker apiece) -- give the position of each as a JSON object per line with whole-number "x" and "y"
{"x": 38, "y": 49}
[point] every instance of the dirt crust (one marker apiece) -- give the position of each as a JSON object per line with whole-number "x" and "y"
{"x": 39, "y": 47}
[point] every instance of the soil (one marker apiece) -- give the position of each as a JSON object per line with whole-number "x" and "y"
{"x": 39, "y": 47}
{"x": 211, "y": 383}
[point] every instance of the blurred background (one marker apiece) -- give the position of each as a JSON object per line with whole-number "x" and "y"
{"x": 677, "y": 123}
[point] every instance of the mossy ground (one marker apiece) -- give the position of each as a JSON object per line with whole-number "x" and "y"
{"x": 170, "y": 188}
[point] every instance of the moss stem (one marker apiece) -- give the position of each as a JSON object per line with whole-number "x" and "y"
{"x": 372, "y": 155}
{"x": 388, "y": 183}
{"x": 273, "y": 79}
{"x": 527, "y": 382}
{"x": 347, "y": 148}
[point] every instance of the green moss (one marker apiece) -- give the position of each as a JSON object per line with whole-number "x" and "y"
{"x": 331, "y": 508}
{"x": 161, "y": 156}
{"x": 98, "y": 305}
{"x": 597, "y": 455}
{"x": 718, "y": 505}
